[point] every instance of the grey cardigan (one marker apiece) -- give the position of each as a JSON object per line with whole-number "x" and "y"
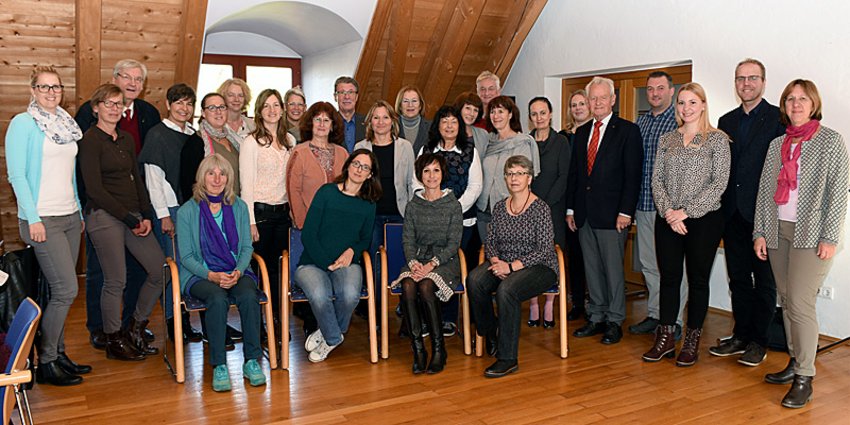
{"x": 823, "y": 185}
{"x": 402, "y": 170}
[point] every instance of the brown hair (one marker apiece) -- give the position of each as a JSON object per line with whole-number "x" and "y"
{"x": 508, "y": 104}
{"x": 371, "y": 188}
{"x": 811, "y": 91}
{"x": 261, "y": 134}
{"x": 42, "y": 69}
{"x": 752, "y": 62}
{"x": 370, "y": 134}
{"x": 337, "y": 134}
{"x": 426, "y": 159}
{"x": 469, "y": 98}
{"x": 104, "y": 91}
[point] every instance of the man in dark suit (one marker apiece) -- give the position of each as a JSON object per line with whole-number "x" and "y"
{"x": 602, "y": 196}
{"x": 138, "y": 117}
{"x": 346, "y": 92}
{"x": 751, "y": 127}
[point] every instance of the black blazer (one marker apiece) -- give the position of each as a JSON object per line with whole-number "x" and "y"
{"x": 551, "y": 182}
{"x": 421, "y": 136}
{"x": 614, "y": 185}
{"x": 748, "y": 157}
{"x": 359, "y": 127}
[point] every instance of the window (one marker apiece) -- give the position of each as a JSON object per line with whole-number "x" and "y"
{"x": 209, "y": 78}
{"x": 259, "y": 72}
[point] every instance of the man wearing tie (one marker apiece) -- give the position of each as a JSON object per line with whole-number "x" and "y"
{"x": 602, "y": 194}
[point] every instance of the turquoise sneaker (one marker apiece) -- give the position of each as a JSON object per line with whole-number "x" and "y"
{"x": 221, "y": 378}
{"x": 253, "y": 373}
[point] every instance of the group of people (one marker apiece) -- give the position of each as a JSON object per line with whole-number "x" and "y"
{"x": 332, "y": 178}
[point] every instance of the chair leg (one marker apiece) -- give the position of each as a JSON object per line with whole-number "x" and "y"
{"x": 479, "y": 345}
{"x": 467, "y": 338}
{"x": 385, "y": 335}
{"x": 562, "y": 306}
{"x": 373, "y": 337}
{"x": 284, "y": 328}
{"x": 267, "y": 311}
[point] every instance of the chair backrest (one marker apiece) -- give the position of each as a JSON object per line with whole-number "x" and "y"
{"x": 395, "y": 250}
{"x": 296, "y": 248}
{"x": 19, "y": 340}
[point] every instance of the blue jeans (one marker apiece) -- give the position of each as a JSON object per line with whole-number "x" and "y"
{"x": 332, "y": 296}
{"x": 167, "y": 249}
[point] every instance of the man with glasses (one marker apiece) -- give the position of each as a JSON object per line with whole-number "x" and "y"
{"x": 346, "y": 90}
{"x": 751, "y": 126}
{"x": 138, "y": 118}
{"x": 488, "y": 87}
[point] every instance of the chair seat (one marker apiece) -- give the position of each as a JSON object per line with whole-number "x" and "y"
{"x": 296, "y": 294}
{"x": 196, "y": 304}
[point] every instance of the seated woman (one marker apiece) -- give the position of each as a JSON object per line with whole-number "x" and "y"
{"x": 215, "y": 251}
{"x": 338, "y": 227}
{"x": 521, "y": 264}
{"x": 432, "y": 231}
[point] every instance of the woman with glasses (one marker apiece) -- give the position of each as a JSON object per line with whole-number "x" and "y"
{"x": 237, "y": 96}
{"x": 41, "y": 151}
{"x": 294, "y": 104}
{"x": 521, "y": 264}
{"x": 118, "y": 216}
{"x": 337, "y": 229}
{"x": 414, "y": 127}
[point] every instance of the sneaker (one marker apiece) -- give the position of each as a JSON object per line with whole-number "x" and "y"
{"x": 221, "y": 378}
{"x": 253, "y": 373}
{"x": 647, "y": 326}
{"x": 321, "y": 352}
{"x": 754, "y": 355}
{"x": 314, "y": 340}
{"x": 728, "y": 347}
{"x": 449, "y": 329}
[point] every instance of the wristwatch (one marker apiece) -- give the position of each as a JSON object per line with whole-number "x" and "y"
{"x": 511, "y": 267}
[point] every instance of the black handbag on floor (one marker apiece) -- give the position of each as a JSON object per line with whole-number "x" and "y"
{"x": 776, "y": 333}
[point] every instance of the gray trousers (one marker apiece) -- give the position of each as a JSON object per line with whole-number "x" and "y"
{"x": 109, "y": 237}
{"x": 57, "y": 257}
{"x": 604, "y": 251}
{"x": 649, "y": 266}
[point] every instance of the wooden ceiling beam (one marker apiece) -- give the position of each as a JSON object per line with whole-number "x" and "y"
{"x": 192, "y": 21}
{"x": 374, "y": 39}
{"x": 88, "y": 16}
{"x": 521, "y": 18}
{"x": 401, "y": 17}
{"x": 435, "y": 43}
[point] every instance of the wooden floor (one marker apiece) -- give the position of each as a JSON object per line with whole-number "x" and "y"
{"x": 596, "y": 384}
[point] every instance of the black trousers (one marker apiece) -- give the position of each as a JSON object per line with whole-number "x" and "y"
{"x": 697, "y": 248}
{"x": 575, "y": 260}
{"x": 273, "y": 225}
{"x": 751, "y": 282}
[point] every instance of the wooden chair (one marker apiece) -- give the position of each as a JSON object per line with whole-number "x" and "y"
{"x": 19, "y": 340}
{"x": 190, "y": 303}
{"x": 293, "y": 294}
{"x": 392, "y": 259}
{"x": 560, "y": 288}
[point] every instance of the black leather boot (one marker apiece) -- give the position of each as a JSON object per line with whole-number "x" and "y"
{"x": 800, "y": 393}
{"x": 136, "y": 334}
{"x": 69, "y": 366}
{"x": 784, "y": 376}
{"x": 664, "y": 345}
{"x": 412, "y": 323}
{"x": 53, "y": 374}
{"x": 118, "y": 347}
{"x": 434, "y": 317}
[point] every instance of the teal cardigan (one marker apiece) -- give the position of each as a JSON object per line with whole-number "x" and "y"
{"x": 24, "y": 151}
{"x": 189, "y": 242}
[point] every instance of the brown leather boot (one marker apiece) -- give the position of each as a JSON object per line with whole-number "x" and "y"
{"x": 784, "y": 376}
{"x": 800, "y": 393}
{"x": 664, "y": 346}
{"x": 136, "y": 334}
{"x": 690, "y": 348}
{"x": 119, "y": 348}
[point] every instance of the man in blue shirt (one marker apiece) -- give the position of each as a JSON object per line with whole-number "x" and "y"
{"x": 346, "y": 90}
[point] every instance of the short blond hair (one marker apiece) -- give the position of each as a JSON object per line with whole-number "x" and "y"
{"x": 210, "y": 163}
{"x": 400, "y": 96}
{"x": 242, "y": 84}
{"x": 42, "y": 69}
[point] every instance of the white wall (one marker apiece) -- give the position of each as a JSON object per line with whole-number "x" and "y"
{"x": 319, "y": 71}
{"x": 246, "y": 44}
{"x": 792, "y": 38}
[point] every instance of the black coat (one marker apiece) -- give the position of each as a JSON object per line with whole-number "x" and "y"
{"x": 551, "y": 183}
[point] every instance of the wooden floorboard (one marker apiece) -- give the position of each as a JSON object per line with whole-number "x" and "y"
{"x": 596, "y": 384}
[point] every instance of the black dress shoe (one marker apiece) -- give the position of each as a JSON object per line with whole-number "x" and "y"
{"x": 53, "y": 374}
{"x": 784, "y": 376}
{"x": 590, "y": 329}
{"x": 800, "y": 393}
{"x": 98, "y": 339}
{"x": 501, "y": 368}
{"x": 613, "y": 334}
{"x": 575, "y": 313}
{"x": 548, "y": 324}
{"x": 234, "y": 334}
{"x": 533, "y": 323}
{"x": 69, "y": 366}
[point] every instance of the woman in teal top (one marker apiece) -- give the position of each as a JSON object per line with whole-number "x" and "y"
{"x": 338, "y": 227}
{"x": 215, "y": 249}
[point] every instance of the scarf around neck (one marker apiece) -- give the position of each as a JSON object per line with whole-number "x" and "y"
{"x": 219, "y": 246}
{"x": 60, "y": 127}
{"x": 209, "y": 131}
{"x": 787, "y": 180}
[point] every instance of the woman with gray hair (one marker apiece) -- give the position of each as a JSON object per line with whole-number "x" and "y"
{"x": 521, "y": 264}
{"x": 294, "y": 104}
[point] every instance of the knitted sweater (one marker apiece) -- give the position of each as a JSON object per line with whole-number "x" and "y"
{"x": 334, "y": 223}
{"x": 434, "y": 229}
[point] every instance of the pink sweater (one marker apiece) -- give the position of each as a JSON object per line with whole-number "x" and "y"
{"x": 304, "y": 176}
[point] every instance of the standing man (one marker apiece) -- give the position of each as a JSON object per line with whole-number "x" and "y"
{"x": 346, "y": 91}
{"x": 138, "y": 117}
{"x": 751, "y": 127}
{"x": 488, "y": 87}
{"x": 602, "y": 193}
{"x": 660, "y": 119}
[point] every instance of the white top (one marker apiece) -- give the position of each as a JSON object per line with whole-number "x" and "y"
{"x": 473, "y": 186}
{"x": 160, "y": 191}
{"x": 262, "y": 173}
{"x": 56, "y": 189}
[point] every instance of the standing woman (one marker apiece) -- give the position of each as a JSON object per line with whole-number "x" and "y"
{"x": 119, "y": 213}
{"x": 262, "y": 168}
{"x": 337, "y": 229}
{"x": 214, "y": 138}
{"x": 506, "y": 140}
{"x": 41, "y": 150}
{"x": 237, "y": 95}
{"x": 431, "y": 237}
{"x": 691, "y": 172}
{"x": 294, "y": 104}
{"x": 551, "y": 186}
{"x": 800, "y": 214}
{"x": 414, "y": 127}
{"x": 469, "y": 105}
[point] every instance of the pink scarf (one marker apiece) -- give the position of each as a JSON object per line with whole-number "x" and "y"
{"x": 787, "y": 180}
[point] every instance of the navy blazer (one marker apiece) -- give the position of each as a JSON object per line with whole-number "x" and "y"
{"x": 748, "y": 157}
{"x": 614, "y": 185}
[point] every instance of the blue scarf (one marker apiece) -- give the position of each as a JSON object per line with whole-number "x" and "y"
{"x": 219, "y": 250}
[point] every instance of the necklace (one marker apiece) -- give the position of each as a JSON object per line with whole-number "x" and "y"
{"x": 510, "y": 203}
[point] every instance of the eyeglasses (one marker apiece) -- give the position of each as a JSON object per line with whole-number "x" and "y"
{"x": 320, "y": 120}
{"x": 127, "y": 77}
{"x": 362, "y": 167}
{"x": 110, "y": 104}
{"x": 295, "y": 105}
{"x": 345, "y": 92}
{"x": 750, "y": 78}
{"x": 510, "y": 174}
{"x": 44, "y": 88}
{"x": 413, "y": 101}
{"x": 215, "y": 108}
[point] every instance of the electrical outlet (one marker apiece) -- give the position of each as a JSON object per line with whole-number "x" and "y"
{"x": 827, "y": 292}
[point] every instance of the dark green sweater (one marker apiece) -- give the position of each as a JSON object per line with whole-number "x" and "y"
{"x": 334, "y": 223}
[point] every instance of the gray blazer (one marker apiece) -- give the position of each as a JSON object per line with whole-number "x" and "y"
{"x": 402, "y": 170}
{"x": 822, "y": 188}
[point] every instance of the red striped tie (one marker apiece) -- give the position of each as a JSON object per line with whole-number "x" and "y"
{"x": 593, "y": 147}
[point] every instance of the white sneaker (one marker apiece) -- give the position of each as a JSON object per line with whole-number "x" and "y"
{"x": 314, "y": 340}
{"x": 321, "y": 352}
